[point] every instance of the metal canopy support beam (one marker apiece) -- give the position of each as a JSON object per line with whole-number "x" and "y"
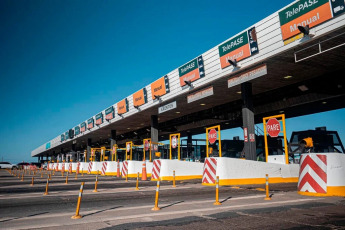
{"x": 248, "y": 121}
{"x": 88, "y": 151}
{"x": 154, "y": 133}
{"x": 112, "y": 138}
{"x": 189, "y": 145}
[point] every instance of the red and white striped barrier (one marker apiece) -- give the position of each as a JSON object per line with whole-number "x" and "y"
{"x": 210, "y": 171}
{"x": 63, "y": 167}
{"x": 104, "y": 167}
{"x": 70, "y": 167}
{"x": 313, "y": 174}
{"x": 89, "y": 167}
{"x": 78, "y": 168}
{"x": 156, "y": 170}
{"x": 322, "y": 174}
{"x": 124, "y": 168}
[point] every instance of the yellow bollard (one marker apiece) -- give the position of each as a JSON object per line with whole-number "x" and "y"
{"x": 267, "y": 189}
{"x": 96, "y": 182}
{"x": 67, "y": 178}
{"x": 22, "y": 177}
{"x": 127, "y": 176}
{"x": 156, "y": 208}
{"x": 32, "y": 181}
{"x": 77, "y": 216}
{"x": 174, "y": 183}
{"x": 41, "y": 174}
{"x": 46, "y": 193}
{"x": 76, "y": 175}
{"x": 217, "y": 192}
{"x": 137, "y": 186}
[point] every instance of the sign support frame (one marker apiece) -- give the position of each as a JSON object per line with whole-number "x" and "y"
{"x": 219, "y": 140}
{"x": 282, "y": 117}
{"x": 144, "y": 151}
{"x": 178, "y": 146}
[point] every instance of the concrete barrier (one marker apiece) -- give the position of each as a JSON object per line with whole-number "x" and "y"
{"x": 135, "y": 167}
{"x": 184, "y": 170}
{"x": 96, "y": 167}
{"x": 112, "y": 168}
{"x": 83, "y": 167}
{"x": 59, "y": 166}
{"x": 74, "y": 166}
{"x": 233, "y": 171}
{"x": 66, "y": 166}
{"x": 322, "y": 174}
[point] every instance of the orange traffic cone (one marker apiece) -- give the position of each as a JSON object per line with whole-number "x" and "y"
{"x": 143, "y": 174}
{"x": 118, "y": 168}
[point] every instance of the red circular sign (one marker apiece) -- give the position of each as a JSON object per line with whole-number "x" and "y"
{"x": 174, "y": 141}
{"x": 273, "y": 127}
{"x": 212, "y": 136}
{"x": 147, "y": 145}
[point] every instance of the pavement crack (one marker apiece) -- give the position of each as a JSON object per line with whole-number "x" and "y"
{"x": 287, "y": 221}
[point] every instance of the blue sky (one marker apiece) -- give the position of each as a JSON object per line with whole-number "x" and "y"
{"x": 63, "y": 61}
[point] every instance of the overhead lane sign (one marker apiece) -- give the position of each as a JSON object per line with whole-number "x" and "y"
{"x": 99, "y": 118}
{"x": 239, "y": 47}
{"x": 200, "y": 94}
{"x": 76, "y": 130}
{"x": 83, "y": 127}
{"x": 308, "y": 12}
{"x": 247, "y": 76}
{"x": 109, "y": 113}
{"x": 122, "y": 106}
{"x": 140, "y": 97}
{"x": 167, "y": 107}
{"x": 90, "y": 123}
{"x": 192, "y": 71}
{"x": 160, "y": 87}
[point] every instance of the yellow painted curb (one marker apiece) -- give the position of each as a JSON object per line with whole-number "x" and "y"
{"x": 246, "y": 181}
{"x": 331, "y": 191}
{"x": 192, "y": 177}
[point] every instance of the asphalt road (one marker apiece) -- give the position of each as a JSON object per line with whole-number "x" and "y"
{"x": 117, "y": 205}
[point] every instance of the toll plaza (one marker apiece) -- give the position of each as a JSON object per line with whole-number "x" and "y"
{"x": 275, "y": 73}
{"x": 159, "y": 157}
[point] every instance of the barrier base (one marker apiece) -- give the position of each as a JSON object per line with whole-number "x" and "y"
{"x": 170, "y": 178}
{"x": 217, "y": 203}
{"x": 76, "y": 217}
{"x": 156, "y": 209}
{"x": 331, "y": 191}
{"x": 247, "y": 181}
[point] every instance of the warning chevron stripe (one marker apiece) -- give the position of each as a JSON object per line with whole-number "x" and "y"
{"x": 156, "y": 169}
{"x": 307, "y": 179}
{"x": 70, "y": 167}
{"x": 124, "y": 168}
{"x": 104, "y": 167}
{"x": 89, "y": 167}
{"x": 210, "y": 170}
{"x": 313, "y": 173}
{"x": 317, "y": 169}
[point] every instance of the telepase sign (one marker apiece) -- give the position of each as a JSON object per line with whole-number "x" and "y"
{"x": 238, "y": 48}
{"x": 308, "y": 12}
